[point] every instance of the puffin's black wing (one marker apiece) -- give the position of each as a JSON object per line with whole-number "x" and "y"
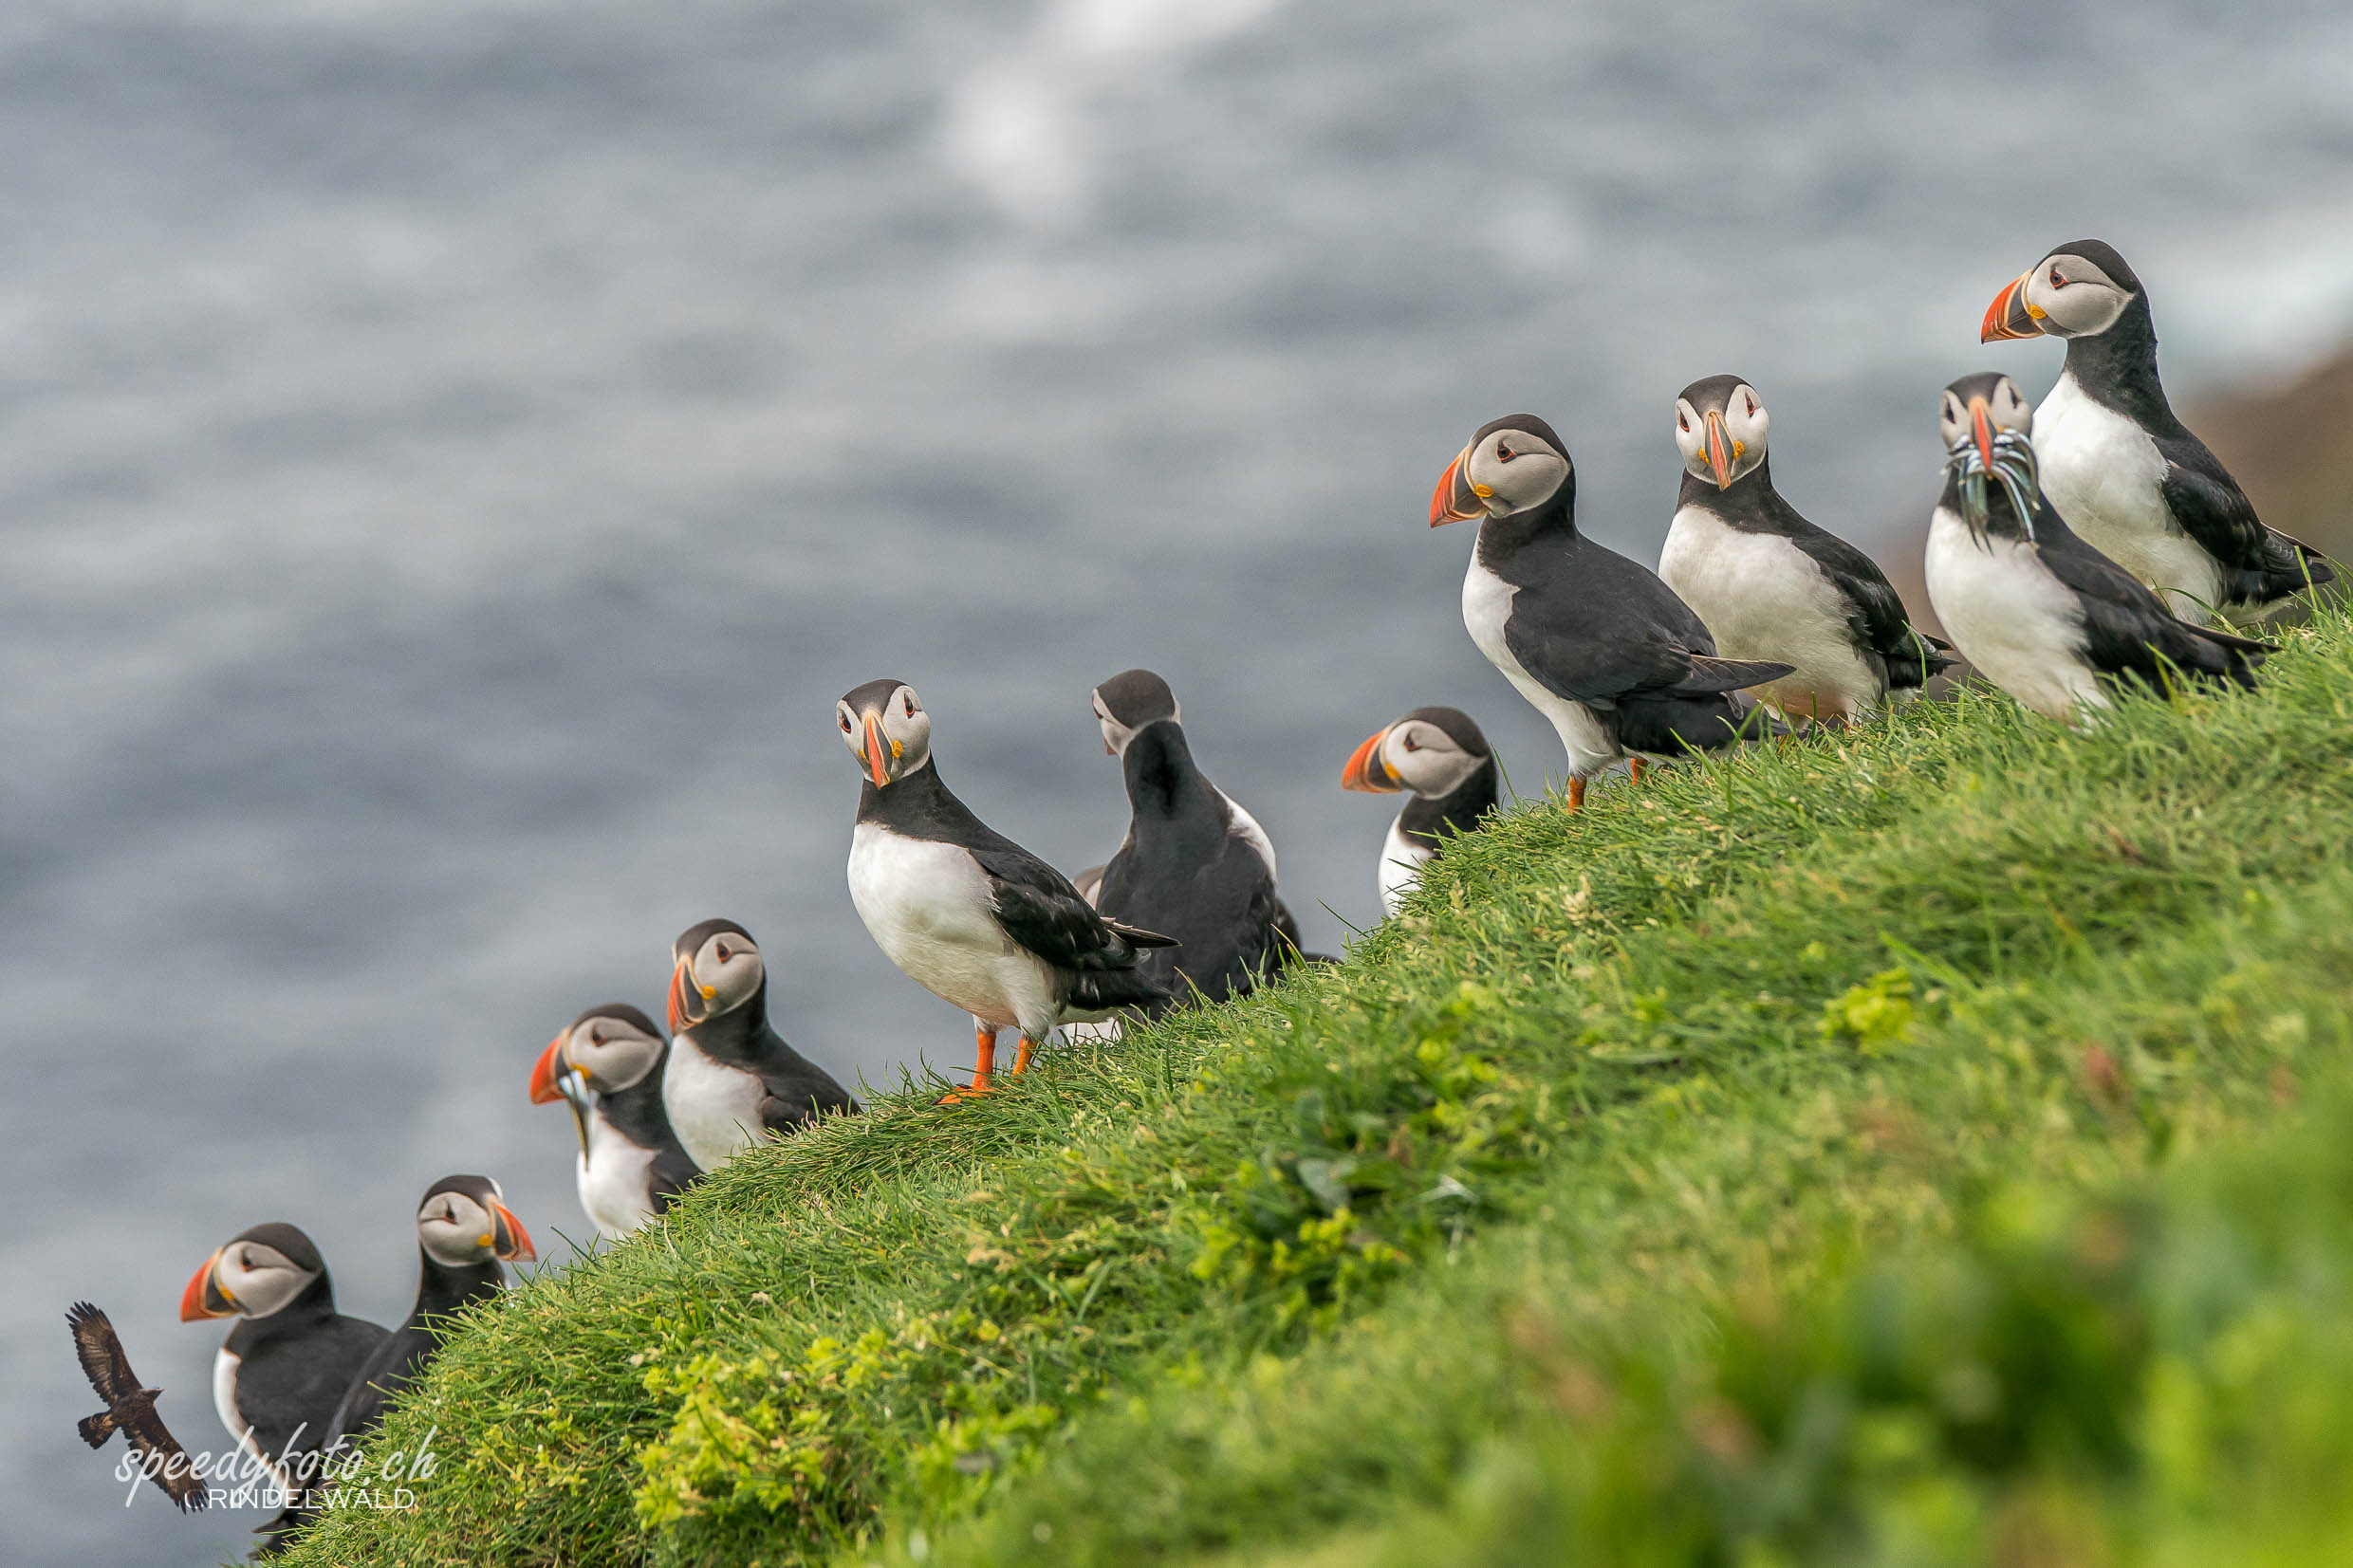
{"x": 671, "y": 1173}
{"x": 1873, "y": 610}
{"x": 2259, "y": 564}
{"x": 1042, "y": 912}
{"x": 1594, "y": 627}
{"x": 2127, "y": 627}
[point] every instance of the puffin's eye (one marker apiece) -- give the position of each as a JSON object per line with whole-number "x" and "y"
{"x": 1751, "y": 408}
{"x": 910, "y": 705}
{"x": 845, "y": 724}
{"x": 2056, "y": 281}
{"x": 724, "y": 954}
{"x": 1682, "y": 421}
{"x": 1412, "y": 745}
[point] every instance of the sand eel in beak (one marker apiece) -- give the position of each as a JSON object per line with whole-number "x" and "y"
{"x": 289, "y": 1357}
{"x": 967, "y": 914}
{"x": 607, "y": 1066}
{"x": 2128, "y": 476}
{"x": 1194, "y": 865}
{"x": 465, "y": 1233}
{"x": 2038, "y": 611}
{"x": 1438, "y": 755}
{"x": 1771, "y": 586}
{"x": 731, "y": 1079}
{"x": 1624, "y": 668}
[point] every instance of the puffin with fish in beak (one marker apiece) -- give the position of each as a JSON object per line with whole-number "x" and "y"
{"x": 2038, "y": 611}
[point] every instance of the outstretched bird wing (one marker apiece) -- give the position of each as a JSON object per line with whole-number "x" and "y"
{"x": 156, "y": 1449}
{"x": 99, "y": 1351}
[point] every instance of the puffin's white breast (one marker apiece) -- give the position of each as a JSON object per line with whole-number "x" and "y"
{"x": 225, "y": 1367}
{"x": 930, "y": 910}
{"x": 1486, "y": 605}
{"x": 713, "y": 1108}
{"x": 1763, "y": 597}
{"x": 2019, "y": 625}
{"x": 1402, "y": 859}
{"x": 2105, "y": 476}
{"x": 613, "y": 1179}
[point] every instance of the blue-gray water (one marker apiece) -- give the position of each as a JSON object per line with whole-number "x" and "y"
{"x": 453, "y": 452}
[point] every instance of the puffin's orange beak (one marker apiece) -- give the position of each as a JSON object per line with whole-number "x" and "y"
{"x": 508, "y": 1239}
{"x": 1455, "y": 501}
{"x": 543, "y": 1072}
{"x": 1367, "y": 769}
{"x": 194, "y": 1303}
{"x": 1981, "y": 427}
{"x": 2010, "y": 316}
{"x": 873, "y": 751}
{"x": 677, "y": 997}
{"x": 1719, "y": 451}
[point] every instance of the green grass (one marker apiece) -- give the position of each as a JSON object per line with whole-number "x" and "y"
{"x": 1856, "y": 1150}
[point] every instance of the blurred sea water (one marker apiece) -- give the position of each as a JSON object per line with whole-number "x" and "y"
{"x": 453, "y": 452}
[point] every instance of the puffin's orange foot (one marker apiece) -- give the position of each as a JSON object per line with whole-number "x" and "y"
{"x": 1637, "y": 766}
{"x": 1576, "y": 794}
{"x": 984, "y": 1066}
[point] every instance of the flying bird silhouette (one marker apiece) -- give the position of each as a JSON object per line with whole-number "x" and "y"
{"x": 130, "y": 1409}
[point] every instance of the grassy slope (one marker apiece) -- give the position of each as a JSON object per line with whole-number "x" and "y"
{"x": 1605, "y": 1135}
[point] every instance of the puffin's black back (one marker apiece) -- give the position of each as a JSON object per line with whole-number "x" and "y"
{"x": 1184, "y": 873}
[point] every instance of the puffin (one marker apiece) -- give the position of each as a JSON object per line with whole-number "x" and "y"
{"x": 2128, "y": 476}
{"x": 1622, "y": 667}
{"x": 1440, "y": 755}
{"x": 730, "y": 1077}
{"x": 963, "y": 910}
{"x": 607, "y": 1064}
{"x": 464, "y": 1232}
{"x": 1771, "y": 586}
{"x": 1193, "y": 865}
{"x": 283, "y": 1368}
{"x": 2041, "y": 613}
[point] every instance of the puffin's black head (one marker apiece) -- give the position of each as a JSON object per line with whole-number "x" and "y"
{"x": 1429, "y": 751}
{"x": 1130, "y": 700}
{"x": 259, "y": 1272}
{"x": 1720, "y": 426}
{"x": 885, "y": 728}
{"x": 714, "y": 968}
{"x": 463, "y": 1221}
{"x": 1511, "y": 464}
{"x": 1986, "y": 421}
{"x": 605, "y": 1049}
{"x": 2079, "y": 290}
